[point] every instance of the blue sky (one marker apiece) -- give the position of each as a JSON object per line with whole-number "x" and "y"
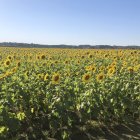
{"x": 113, "y": 22}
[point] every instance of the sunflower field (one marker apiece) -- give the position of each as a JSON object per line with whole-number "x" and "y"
{"x": 46, "y": 93}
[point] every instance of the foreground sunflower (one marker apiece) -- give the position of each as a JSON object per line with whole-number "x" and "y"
{"x": 86, "y": 78}
{"x": 7, "y": 63}
{"x": 90, "y": 56}
{"x": 100, "y": 77}
{"x": 56, "y": 78}
{"x": 9, "y": 57}
{"x": 40, "y": 76}
{"x": 2, "y": 76}
{"x": 37, "y": 57}
{"x": 18, "y": 64}
{"x": 43, "y": 56}
{"x": 46, "y": 77}
{"x": 26, "y": 73}
{"x": 130, "y": 69}
{"x": 111, "y": 72}
{"x": 8, "y": 73}
{"x": 14, "y": 69}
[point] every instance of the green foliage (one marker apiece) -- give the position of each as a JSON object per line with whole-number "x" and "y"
{"x": 34, "y": 108}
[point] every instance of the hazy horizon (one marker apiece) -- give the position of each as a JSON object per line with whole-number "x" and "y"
{"x": 70, "y": 22}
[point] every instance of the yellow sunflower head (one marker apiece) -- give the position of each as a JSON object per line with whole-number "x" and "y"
{"x": 38, "y": 57}
{"x": 8, "y": 73}
{"x": 14, "y": 69}
{"x": 102, "y": 68}
{"x": 67, "y": 74}
{"x": 7, "y": 63}
{"x": 100, "y": 77}
{"x": 26, "y": 73}
{"x": 18, "y": 64}
{"x": 40, "y": 76}
{"x": 46, "y": 77}
{"x": 9, "y": 57}
{"x": 86, "y": 78}
{"x": 90, "y": 68}
{"x": 44, "y": 64}
{"x": 130, "y": 69}
{"x": 56, "y": 62}
{"x": 111, "y": 71}
{"x": 78, "y": 62}
{"x": 93, "y": 68}
{"x": 66, "y": 62}
{"x": 106, "y": 55}
{"x": 87, "y": 68}
{"x": 2, "y": 76}
{"x": 90, "y": 56}
{"x": 137, "y": 67}
{"x": 56, "y": 78}
{"x": 43, "y": 56}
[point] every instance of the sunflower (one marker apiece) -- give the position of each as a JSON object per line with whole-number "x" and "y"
{"x": 90, "y": 68}
{"x": 38, "y": 57}
{"x": 78, "y": 62}
{"x": 40, "y": 76}
{"x": 30, "y": 57}
{"x": 9, "y": 57}
{"x": 111, "y": 71}
{"x": 130, "y": 69}
{"x": 87, "y": 68}
{"x": 14, "y": 69}
{"x": 7, "y": 63}
{"x": 67, "y": 74}
{"x": 114, "y": 63}
{"x": 56, "y": 62}
{"x": 102, "y": 68}
{"x": 18, "y": 64}
{"x": 50, "y": 58}
{"x": 26, "y": 73}
{"x": 90, "y": 56}
{"x": 44, "y": 64}
{"x": 93, "y": 68}
{"x": 66, "y": 62}
{"x": 137, "y": 67}
{"x": 2, "y": 76}
{"x": 100, "y": 77}
{"x": 0, "y": 57}
{"x": 43, "y": 56}
{"x": 124, "y": 64}
{"x": 86, "y": 78}
{"x": 105, "y": 55}
{"x": 46, "y": 77}
{"x": 8, "y": 73}
{"x": 56, "y": 78}
{"x": 51, "y": 64}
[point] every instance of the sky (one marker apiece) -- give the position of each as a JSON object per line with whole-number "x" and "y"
{"x": 72, "y": 22}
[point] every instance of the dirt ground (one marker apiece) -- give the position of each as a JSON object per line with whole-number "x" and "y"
{"x": 130, "y": 131}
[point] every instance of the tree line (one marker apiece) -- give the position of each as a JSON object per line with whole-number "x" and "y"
{"x": 32, "y": 45}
